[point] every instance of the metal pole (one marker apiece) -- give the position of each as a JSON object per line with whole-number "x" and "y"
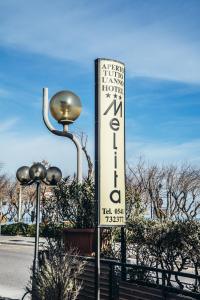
{"x": 79, "y": 154}
{"x": 123, "y": 253}
{"x": 1, "y": 214}
{"x": 97, "y": 263}
{"x": 64, "y": 133}
{"x": 36, "y": 250}
{"x": 20, "y": 203}
{"x": 97, "y": 221}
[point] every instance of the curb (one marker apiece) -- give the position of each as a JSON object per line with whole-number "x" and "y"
{"x": 20, "y": 244}
{"x": 15, "y": 243}
{"x": 5, "y": 298}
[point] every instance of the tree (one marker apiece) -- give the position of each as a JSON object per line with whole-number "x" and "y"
{"x": 11, "y": 192}
{"x": 171, "y": 192}
{"x": 84, "y": 140}
{"x": 4, "y": 182}
{"x": 72, "y": 202}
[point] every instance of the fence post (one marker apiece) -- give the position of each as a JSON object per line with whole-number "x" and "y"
{"x": 163, "y": 277}
{"x": 111, "y": 273}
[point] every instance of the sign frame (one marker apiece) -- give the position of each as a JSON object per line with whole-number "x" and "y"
{"x": 98, "y": 162}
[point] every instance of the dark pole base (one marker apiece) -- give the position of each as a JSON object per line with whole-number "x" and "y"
{"x": 123, "y": 252}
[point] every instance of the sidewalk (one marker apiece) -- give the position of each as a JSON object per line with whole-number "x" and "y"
{"x": 2, "y": 298}
{"x": 19, "y": 240}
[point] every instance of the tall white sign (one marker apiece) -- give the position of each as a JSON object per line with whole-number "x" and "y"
{"x": 110, "y": 141}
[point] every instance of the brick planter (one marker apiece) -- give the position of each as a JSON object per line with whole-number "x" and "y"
{"x": 81, "y": 239}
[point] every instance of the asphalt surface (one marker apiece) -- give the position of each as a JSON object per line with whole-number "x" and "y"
{"x": 15, "y": 263}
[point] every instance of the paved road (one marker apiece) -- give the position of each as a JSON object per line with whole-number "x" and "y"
{"x": 15, "y": 262}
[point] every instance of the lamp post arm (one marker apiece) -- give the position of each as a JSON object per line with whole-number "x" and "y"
{"x": 79, "y": 150}
{"x": 45, "y": 112}
{"x": 79, "y": 158}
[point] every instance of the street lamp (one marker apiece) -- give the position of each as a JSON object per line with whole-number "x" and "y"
{"x": 37, "y": 173}
{"x": 65, "y": 107}
{"x": 23, "y": 175}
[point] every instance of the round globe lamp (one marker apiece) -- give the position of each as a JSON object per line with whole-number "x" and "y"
{"x": 54, "y": 175}
{"x": 65, "y": 107}
{"x": 37, "y": 172}
{"x": 23, "y": 175}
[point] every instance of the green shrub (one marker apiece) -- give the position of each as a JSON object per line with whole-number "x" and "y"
{"x": 46, "y": 230}
{"x": 171, "y": 245}
{"x": 31, "y": 230}
{"x": 15, "y": 229}
{"x": 52, "y": 230}
{"x": 59, "y": 276}
{"x": 73, "y": 202}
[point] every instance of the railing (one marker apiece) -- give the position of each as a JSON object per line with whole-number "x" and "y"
{"x": 124, "y": 281}
{"x": 166, "y": 281}
{"x": 171, "y": 281}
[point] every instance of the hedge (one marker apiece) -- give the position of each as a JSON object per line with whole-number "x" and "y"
{"x": 23, "y": 229}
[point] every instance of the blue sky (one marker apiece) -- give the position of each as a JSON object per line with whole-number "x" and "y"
{"x": 54, "y": 43}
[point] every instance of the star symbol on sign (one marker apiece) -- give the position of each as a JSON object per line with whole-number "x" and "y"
{"x": 115, "y": 95}
{"x": 108, "y": 95}
{"x": 120, "y": 97}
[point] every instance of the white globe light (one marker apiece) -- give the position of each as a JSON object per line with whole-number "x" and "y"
{"x": 65, "y": 107}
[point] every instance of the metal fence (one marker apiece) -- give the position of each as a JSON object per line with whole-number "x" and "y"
{"x": 128, "y": 281}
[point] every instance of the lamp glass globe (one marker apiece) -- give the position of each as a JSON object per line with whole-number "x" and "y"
{"x": 22, "y": 174}
{"x": 37, "y": 172}
{"x": 65, "y": 107}
{"x": 54, "y": 175}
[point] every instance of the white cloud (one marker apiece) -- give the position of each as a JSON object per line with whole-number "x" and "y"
{"x": 164, "y": 153}
{"x": 8, "y": 124}
{"x": 18, "y": 150}
{"x": 81, "y": 31}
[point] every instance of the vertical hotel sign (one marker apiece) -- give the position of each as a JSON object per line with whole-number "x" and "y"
{"x": 110, "y": 142}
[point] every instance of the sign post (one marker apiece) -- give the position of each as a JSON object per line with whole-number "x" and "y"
{"x": 109, "y": 149}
